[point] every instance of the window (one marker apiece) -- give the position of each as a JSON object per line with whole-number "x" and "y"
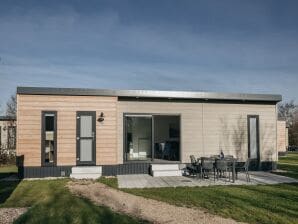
{"x": 11, "y": 138}
{"x": 49, "y": 138}
{"x": 253, "y": 137}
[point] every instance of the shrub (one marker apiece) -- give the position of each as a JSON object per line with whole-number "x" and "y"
{"x": 7, "y": 158}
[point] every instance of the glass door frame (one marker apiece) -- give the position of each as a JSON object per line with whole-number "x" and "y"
{"x": 152, "y": 136}
{"x": 78, "y": 138}
{"x": 43, "y": 137}
{"x": 255, "y": 163}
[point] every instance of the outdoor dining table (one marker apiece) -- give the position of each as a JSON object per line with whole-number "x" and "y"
{"x": 231, "y": 164}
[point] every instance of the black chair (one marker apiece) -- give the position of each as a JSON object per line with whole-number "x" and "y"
{"x": 193, "y": 168}
{"x": 222, "y": 167}
{"x": 243, "y": 167}
{"x": 193, "y": 160}
{"x": 207, "y": 166}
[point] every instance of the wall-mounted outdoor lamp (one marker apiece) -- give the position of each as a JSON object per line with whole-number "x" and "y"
{"x": 101, "y": 117}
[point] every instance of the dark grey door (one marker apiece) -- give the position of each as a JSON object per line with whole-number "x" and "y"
{"x": 86, "y": 137}
{"x": 253, "y": 141}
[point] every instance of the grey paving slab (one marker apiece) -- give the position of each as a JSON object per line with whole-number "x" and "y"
{"x": 147, "y": 181}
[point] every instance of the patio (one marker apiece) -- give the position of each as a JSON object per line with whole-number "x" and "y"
{"x": 147, "y": 181}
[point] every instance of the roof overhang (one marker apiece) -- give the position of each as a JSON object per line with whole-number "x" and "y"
{"x": 150, "y": 94}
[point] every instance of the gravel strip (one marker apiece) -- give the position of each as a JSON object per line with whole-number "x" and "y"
{"x": 146, "y": 209}
{"x": 8, "y": 215}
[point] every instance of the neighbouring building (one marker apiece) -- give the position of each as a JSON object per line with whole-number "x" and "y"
{"x": 8, "y": 134}
{"x": 282, "y": 137}
{"x": 125, "y": 131}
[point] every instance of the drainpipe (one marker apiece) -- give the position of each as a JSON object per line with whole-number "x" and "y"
{"x": 203, "y": 140}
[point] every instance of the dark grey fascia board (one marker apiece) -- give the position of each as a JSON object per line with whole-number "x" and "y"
{"x": 149, "y": 94}
{"x": 7, "y": 118}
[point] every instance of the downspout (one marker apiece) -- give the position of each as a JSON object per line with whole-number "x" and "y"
{"x": 276, "y": 118}
{"x": 203, "y": 140}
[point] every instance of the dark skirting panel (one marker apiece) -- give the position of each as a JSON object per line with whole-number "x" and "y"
{"x": 268, "y": 165}
{"x": 107, "y": 170}
{"x": 129, "y": 168}
{"x": 39, "y": 172}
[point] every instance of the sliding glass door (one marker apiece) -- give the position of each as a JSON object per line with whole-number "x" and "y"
{"x": 166, "y": 138}
{"x": 151, "y": 137}
{"x": 138, "y": 137}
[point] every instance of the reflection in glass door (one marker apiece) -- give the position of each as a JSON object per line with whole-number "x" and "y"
{"x": 166, "y": 138}
{"x": 151, "y": 137}
{"x": 253, "y": 140}
{"x": 138, "y": 137}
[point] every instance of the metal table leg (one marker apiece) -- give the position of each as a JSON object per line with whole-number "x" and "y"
{"x": 233, "y": 171}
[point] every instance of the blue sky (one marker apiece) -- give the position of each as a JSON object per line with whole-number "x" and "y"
{"x": 224, "y": 46}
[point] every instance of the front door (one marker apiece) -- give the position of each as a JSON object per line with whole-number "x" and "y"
{"x": 253, "y": 141}
{"x": 86, "y": 137}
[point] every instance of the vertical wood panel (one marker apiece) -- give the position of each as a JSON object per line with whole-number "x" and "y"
{"x": 29, "y": 124}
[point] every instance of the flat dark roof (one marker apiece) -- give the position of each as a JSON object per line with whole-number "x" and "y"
{"x": 150, "y": 94}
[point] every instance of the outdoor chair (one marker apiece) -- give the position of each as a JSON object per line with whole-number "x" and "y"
{"x": 229, "y": 157}
{"x": 214, "y": 156}
{"x": 243, "y": 167}
{"x": 222, "y": 167}
{"x": 193, "y": 168}
{"x": 207, "y": 166}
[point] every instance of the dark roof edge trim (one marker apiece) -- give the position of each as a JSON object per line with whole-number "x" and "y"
{"x": 7, "y": 118}
{"x": 149, "y": 94}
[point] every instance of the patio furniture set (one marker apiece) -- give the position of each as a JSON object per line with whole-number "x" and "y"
{"x": 220, "y": 166}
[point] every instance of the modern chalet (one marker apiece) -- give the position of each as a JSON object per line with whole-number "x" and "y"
{"x": 93, "y": 132}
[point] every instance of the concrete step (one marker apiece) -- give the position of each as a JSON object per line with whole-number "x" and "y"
{"x": 165, "y": 170}
{"x": 167, "y": 173}
{"x": 86, "y": 172}
{"x": 161, "y": 167}
{"x": 85, "y": 175}
{"x": 86, "y": 169}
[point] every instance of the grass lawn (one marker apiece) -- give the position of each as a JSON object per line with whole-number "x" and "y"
{"x": 51, "y": 202}
{"x": 292, "y": 170}
{"x": 291, "y": 157}
{"x": 112, "y": 182}
{"x": 270, "y": 204}
{"x": 288, "y": 163}
{"x": 253, "y": 204}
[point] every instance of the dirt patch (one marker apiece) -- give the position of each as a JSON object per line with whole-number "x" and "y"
{"x": 147, "y": 209}
{"x": 8, "y": 215}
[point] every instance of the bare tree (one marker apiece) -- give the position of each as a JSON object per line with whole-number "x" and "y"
{"x": 286, "y": 111}
{"x": 11, "y": 106}
{"x": 293, "y": 130}
{"x": 289, "y": 112}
